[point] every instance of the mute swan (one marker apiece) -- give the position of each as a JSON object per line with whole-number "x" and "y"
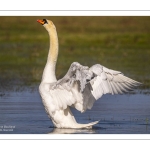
{"x": 79, "y": 88}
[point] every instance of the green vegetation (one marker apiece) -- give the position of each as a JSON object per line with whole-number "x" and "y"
{"x": 119, "y": 43}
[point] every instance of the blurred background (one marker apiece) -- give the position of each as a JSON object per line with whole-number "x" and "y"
{"x": 118, "y": 43}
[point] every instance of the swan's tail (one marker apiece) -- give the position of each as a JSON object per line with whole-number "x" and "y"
{"x": 89, "y": 125}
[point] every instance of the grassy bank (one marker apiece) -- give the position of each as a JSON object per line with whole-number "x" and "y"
{"x": 119, "y": 43}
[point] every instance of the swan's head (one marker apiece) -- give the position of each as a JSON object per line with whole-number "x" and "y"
{"x": 48, "y": 24}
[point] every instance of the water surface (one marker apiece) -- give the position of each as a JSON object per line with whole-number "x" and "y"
{"x": 23, "y": 113}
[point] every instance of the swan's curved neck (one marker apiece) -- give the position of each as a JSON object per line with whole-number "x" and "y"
{"x": 49, "y": 71}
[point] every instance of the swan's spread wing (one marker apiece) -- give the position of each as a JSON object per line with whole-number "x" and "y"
{"x": 81, "y": 86}
{"x": 74, "y": 89}
{"x": 110, "y": 81}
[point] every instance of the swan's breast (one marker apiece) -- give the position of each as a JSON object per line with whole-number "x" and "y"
{"x": 47, "y": 99}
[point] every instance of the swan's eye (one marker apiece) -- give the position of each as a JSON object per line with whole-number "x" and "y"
{"x": 45, "y": 21}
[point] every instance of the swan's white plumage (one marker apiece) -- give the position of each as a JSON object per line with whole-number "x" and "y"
{"x": 79, "y": 88}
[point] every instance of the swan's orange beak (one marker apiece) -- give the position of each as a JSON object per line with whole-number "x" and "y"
{"x": 40, "y": 21}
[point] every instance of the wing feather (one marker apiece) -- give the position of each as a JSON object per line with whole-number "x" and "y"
{"x": 81, "y": 86}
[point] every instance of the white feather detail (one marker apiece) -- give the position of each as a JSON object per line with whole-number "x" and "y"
{"x": 81, "y": 86}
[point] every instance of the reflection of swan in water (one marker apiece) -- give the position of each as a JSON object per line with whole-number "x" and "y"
{"x": 79, "y": 88}
{"x": 71, "y": 131}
